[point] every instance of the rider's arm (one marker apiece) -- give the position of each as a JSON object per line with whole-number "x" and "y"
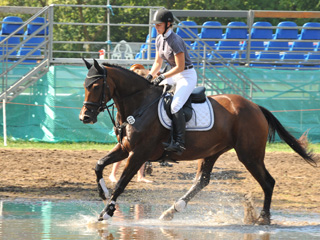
{"x": 156, "y": 65}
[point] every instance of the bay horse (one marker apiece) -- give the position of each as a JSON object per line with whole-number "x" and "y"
{"x": 239, "y": 124}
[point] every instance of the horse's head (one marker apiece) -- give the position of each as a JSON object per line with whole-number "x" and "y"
{"x": 97, "y": 93}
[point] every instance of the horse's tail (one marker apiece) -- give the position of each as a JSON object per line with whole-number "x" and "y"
{"x": 276, "y": 126}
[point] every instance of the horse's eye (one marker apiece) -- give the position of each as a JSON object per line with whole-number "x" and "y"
{"x": 95, "y": 86}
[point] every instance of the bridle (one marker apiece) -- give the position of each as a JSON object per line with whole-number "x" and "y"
{"x": 101, "y": 105}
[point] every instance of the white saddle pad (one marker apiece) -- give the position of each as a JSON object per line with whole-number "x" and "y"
{"x": 202, "y": 116}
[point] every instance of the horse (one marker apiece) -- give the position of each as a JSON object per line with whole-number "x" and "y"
{"x": 240, "y": 124}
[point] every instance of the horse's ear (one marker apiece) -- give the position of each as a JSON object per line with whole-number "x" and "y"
{"x": 87, "y": 63}
{"x": 97, "y": 66}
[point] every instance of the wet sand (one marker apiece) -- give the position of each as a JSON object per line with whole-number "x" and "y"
{"x": 69, "y": 175}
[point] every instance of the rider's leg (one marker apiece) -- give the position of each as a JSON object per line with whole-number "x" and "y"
{"x": 179, "y": 129}
{"x": 185, "y": 83}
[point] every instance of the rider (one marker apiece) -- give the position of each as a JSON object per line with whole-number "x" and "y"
{"x": 171, "y": 47}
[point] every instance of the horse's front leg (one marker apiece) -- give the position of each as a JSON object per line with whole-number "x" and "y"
{"x": 115, "y": 155}
{"x": 202, "y": 179}
{"x": 134, "y": 163}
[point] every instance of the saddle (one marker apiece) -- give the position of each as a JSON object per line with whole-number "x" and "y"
{"x": 197, "y": 96}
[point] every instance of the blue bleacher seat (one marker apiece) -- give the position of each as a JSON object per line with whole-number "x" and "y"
{"x": 311, "y": 34}
{"x": 207, "y": 33}
{"x": 240, "y": 32}
{"x": 256, "y": 46}
{"x": 24, "y": 51}
{"x": 307, "y": 34}
{"x": 286, "y": 30}
{"x": 312, "y": 60}
{"x": 9, "y": 25}
{"x": 187, "y": 32}
{"x": 290, "y": 60}
{"x": 263, "y": 58}
{"x": 289, "y": 33}
{"x": 34, "y": 41}
{"x": 31, "y": 28}
{"x": 226, "y": 49}
{"x": 302, "y": 47}
{"x": 314, "y": 57}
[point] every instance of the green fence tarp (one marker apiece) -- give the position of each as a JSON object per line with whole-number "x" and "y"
{"x": 48, "y": 111}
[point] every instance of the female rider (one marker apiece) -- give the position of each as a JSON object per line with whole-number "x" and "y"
{"x": 171, "y": 47}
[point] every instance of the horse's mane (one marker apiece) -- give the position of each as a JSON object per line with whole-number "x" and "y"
{"x": 125, "y": 69}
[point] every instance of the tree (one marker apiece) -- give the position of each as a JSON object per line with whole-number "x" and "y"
{"x": 140, "y": 16}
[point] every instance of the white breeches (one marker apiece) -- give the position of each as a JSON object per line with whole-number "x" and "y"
{"x": 185, "y": 83}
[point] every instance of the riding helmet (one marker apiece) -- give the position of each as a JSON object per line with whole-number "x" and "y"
{"x": 162, "y": 15}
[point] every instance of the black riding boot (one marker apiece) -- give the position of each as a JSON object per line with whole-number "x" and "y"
{"x": 179, "y": 129}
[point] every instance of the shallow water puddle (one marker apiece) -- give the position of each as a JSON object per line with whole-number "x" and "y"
{"x": 77, "y": 220}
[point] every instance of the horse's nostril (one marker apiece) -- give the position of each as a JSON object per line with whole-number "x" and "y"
{"x": 85, "y": 119}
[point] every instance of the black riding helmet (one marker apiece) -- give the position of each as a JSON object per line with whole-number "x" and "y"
{"x": 163, "y": 15}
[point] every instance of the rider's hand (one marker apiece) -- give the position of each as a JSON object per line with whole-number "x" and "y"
{"x": 159, "y": 79}
{"x": 149, "y": 77}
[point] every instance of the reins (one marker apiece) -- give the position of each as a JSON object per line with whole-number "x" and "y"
{"x": 131, "y": 119}
{"x": 102, "y": 106}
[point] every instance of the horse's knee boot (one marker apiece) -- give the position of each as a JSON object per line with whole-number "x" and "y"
{"x": 98, "y": 170}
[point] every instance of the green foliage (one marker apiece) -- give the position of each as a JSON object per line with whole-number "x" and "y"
{"x": 141, "y": 16}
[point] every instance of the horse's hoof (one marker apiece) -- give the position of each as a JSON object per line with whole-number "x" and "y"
{"x": 108, "y": 211}
{"x": 103, "y": 216}
{"x": 264, "y": 219}
{"x": 168, "y": 214}
{"x": 148, "y": 169}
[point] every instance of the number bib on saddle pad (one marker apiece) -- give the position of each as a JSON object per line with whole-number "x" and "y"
{"x": 202, "y": 117}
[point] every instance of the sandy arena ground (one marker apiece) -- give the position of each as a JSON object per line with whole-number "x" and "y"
{"x": 56, "y": 175}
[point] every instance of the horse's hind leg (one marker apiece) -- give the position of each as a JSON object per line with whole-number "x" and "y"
{"x": 202, "y": 179}
{"x": 253, "y": 161}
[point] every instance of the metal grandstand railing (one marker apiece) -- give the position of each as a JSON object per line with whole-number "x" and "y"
{"x": 209, "y": 60}
{"x": 237, "y": 81}
{"x": 31, "y": 59}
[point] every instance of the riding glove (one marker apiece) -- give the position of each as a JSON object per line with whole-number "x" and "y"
{"x": 149, "y": 77}
{"x": 158, "y": 80}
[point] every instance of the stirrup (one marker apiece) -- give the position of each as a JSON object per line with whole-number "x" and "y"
{"x": 166, "y": 144}
{"x": 175, "y": 147}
